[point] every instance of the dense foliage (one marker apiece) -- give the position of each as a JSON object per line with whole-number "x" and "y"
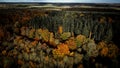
{"x": 57, "y": 39}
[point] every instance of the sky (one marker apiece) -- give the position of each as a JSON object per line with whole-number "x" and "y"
{"x": 65, "y": 1}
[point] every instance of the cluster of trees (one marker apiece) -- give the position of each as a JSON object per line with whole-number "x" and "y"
{"x": 77, "y": 23}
